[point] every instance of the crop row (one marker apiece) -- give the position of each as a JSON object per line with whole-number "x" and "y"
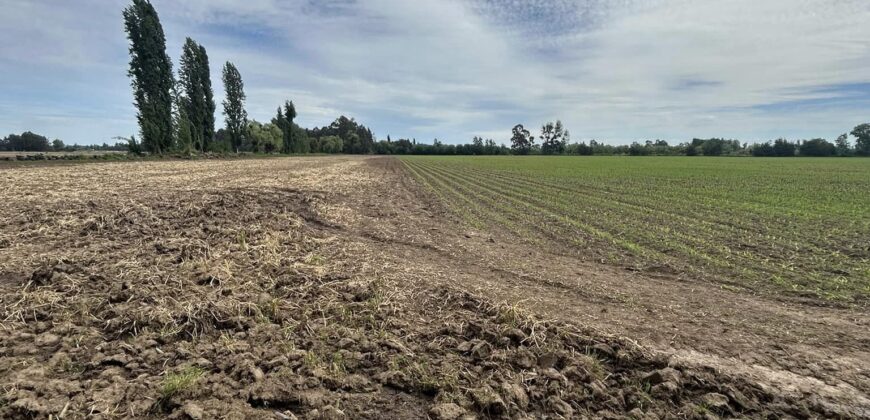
{"x": 648, "y": 222}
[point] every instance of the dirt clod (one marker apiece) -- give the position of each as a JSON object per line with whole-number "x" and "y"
{"x": 488, "y": 401}
{"x": 548, "y": 360}
{"x": 481, "y": 350}
{"x": 193, "y": 411}
{"x": 560, "y": 406}
{"x": 663, "y": 375}
{"x": 446, "y": 411}
{"x": 516, "y": 394}
{"x": 715, "y": 401}
{"x": 47, "y": 340}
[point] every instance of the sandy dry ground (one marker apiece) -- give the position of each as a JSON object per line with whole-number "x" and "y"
{"x": 333, "y": 287}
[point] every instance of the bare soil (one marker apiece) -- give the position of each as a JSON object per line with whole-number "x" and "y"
{"x": 336, "y": 287}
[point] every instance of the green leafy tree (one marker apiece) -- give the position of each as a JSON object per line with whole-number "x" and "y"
{"x": 331, "y": 144}
{"x": 477, "y": 145}
{"x": 234, "y": 105}
{"x": 783, "y": 148}
{"x": 862, "y": 142}
{"x": 521, "y": 140}
{"x": 817, "y": 147}
{"x": 356, "y": 138}
{"x": 763, "y": 150}
{"x": 25, "y": 142}
{"x": 300, "y": 139}
{"x": 264, "y": 138}
{"x": 151, "y": 75}
{"x": 842, "y": 145}
{"x": 57, "y": 145}
{"x": 281, "y": 122}
{"x": 553, "y": 138}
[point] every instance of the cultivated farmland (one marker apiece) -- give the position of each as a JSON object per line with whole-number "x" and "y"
{"x": 343, "y": 287}
{"x": 798, "y": 226}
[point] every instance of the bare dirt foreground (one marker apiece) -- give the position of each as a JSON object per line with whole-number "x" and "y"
{"x": 338, "y": 288}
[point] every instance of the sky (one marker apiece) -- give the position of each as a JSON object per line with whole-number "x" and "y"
{"x": 612, "y": 70}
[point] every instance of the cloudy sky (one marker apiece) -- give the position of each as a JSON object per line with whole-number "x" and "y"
{"x": 614, "y": 70}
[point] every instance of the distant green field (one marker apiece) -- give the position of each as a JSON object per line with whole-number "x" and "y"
{"x": 797, "y": 224}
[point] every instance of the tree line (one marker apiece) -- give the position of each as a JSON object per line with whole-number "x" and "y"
{"x": 556, "y": 140}
{"x": 32, "y": 142}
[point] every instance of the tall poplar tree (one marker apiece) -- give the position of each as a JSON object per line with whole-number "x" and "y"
{"x": 234, "y": 105}
{"x": 181, "y": 123}
{"x": 289, "y": 115}
{"x": 151, "y": 74}
{"x": 193, "y": 97}
{"x": 195, "y": 79}
{"x": 281, "y": 122}
{"x": 210, "y": 106}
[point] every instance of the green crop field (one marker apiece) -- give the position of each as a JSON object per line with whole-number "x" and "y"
{"x": 795, "y": 224}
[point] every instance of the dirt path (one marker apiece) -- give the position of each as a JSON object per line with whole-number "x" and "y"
{"x": 801, "y": 348}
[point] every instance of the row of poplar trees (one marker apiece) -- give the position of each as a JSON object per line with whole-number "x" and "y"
{"x": 177, "y": 115}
